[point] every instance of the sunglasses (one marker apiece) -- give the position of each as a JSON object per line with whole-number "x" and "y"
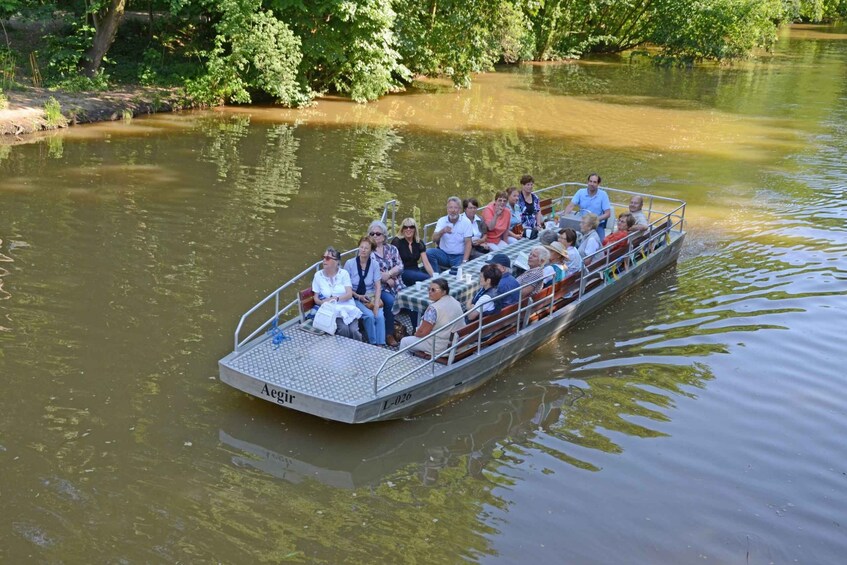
{"x": 375, "y": 234}
{"x": 329, "y": 257}
{"x": 408, "y": 227}
{"x": 434, "y": 289}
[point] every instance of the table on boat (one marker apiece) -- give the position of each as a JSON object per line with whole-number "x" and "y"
{"x": 417, "y": 298}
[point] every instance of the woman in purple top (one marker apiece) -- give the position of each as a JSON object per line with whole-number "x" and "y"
{"x": 530, "y": 206}
{"x": 391, "y": 270}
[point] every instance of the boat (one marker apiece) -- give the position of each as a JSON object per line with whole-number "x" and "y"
{"x": 285, "y": 361}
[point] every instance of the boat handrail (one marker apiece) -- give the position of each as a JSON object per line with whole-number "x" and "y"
{"x": 275, "y": 295}
{"x": 391, "y": 205}
{"x": 447, "y": 328}
{"x": 658, "y": 229}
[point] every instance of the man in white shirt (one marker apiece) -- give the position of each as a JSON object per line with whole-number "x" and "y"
{"x": 635, "y": 205}
{"x": 452, "y": 236}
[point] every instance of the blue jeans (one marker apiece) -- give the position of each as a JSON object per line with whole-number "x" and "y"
{"x": 374, "y": 325}
{"x": 439, "y": 259}
{"x": 387, "y": 304}
{"x": 411, "y": 276}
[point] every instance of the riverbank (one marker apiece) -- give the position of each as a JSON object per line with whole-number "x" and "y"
{"x": 31, "y": 110}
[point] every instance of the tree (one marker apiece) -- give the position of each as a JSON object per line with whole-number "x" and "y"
{"x": 106, "y": 17}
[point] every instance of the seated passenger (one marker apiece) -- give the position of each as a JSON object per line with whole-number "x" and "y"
{"x": 442, "y": 310}
{"x": 332, "y": 284}
{"x": 538, "y": 257}
{"x": 478, "y": 228}
{"x": 567, "y": 237}
{"x": 496, "y": 217}
{"x": 391, "y": 270}
{"x": 556, "y": 270}
{"x": 507, "y": 281}
{"x": 546, "y": 237}
{"x": 530, "y": 207}
{"x": 489, "y": 278}
{"x": 625, "y": 222}
{"x": 515, "y": 226}
{"x": 452, "y": 237}
{"x": 367, "y": 287}
{"x": 412, "y": 252}
{"x": 635, "y": 205}
{"x": 590, "y": 240}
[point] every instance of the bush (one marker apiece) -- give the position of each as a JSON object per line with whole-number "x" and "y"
{"x": 4, "y": 102}
{"x": 253, "y": 51}
{"x": 53, "y": 117}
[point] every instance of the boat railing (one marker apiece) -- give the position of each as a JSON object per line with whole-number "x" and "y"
{"x": 597, "y": 267}
{"x": 285, "y": 298}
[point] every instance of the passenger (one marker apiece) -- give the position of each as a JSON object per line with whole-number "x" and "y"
{"x": 538, "y": 257}
{"x": 590, "y": 240}
{"x": 592, "y": 199}
{"x": 489, "y": 278}
{"x": 530, "y": 207}
{"x": 412, "y": 252}
{"x": 496, "y": 217}
{"x": 625, "y": 222}
{"x": 332, "y": 284}
{"x": 515, "y": 232}
{"x": 635, "y": 205}
{"x": 557, "y": 269}
{"x": 567, "y": 237}
{"x": 452, "y": 235}
{"x": 391, "y": 271}
{"x": 443, "y": 310}
{"x": 367, "y": 287}
{"x": 546, "y": 237}
{"x": 507, "y": 281}
{"x": 479, "y": 247}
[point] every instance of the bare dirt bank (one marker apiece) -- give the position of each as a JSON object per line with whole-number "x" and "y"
{"x": 26, "y": 114}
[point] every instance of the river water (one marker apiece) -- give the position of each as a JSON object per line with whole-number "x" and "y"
{"x": 701, "y": 418}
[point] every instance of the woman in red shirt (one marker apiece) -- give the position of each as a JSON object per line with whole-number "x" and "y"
{"x": 497, "y": 217}
{"x": 625, "y": 221}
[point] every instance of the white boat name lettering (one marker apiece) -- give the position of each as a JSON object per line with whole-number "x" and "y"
{"x": 397, "y": 400}
{"x": 281, "y": 396}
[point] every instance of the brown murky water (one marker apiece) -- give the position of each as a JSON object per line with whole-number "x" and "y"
{"x": 700, "y": 418}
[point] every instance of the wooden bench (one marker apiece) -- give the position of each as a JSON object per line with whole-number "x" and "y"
{"x": 307, "y": 301}
{"x": 540, "y": 307}
{"x": 504, "y": 324}
{"x": 546, "y": 206}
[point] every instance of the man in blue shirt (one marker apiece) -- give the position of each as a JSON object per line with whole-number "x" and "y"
{"x": 592, "y": 199}
{"x": 507, "y": 281}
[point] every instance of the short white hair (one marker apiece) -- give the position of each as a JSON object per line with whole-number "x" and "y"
{"x": 543, "y": 254}
{"x": 380, "y": 225}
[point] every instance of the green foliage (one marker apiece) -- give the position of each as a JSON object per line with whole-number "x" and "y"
{"x": 65, "y": 50}
{"x": 4, "y": 102}
{"x": 456, "y": 37}
{"x": 253, "y": 50}
{"x": 694, "y": 30}
{"x": 348, "y": 47}
{"x": 234, "y": 50}
{"x": 53, "y": 117}
{"x": 82, "y": 83}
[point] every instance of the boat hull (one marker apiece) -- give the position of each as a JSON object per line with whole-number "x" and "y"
{"x": 432, "y": 385}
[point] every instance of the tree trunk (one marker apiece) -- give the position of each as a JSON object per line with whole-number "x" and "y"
{"x": 106, "y": 24}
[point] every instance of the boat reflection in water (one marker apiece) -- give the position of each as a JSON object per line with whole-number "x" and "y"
{"x": 582, "y": 403}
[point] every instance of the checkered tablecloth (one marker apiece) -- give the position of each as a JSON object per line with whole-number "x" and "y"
{"x": 417, "y": 297}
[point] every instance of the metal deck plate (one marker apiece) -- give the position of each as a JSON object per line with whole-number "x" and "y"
{"x": 327, "y": 367}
